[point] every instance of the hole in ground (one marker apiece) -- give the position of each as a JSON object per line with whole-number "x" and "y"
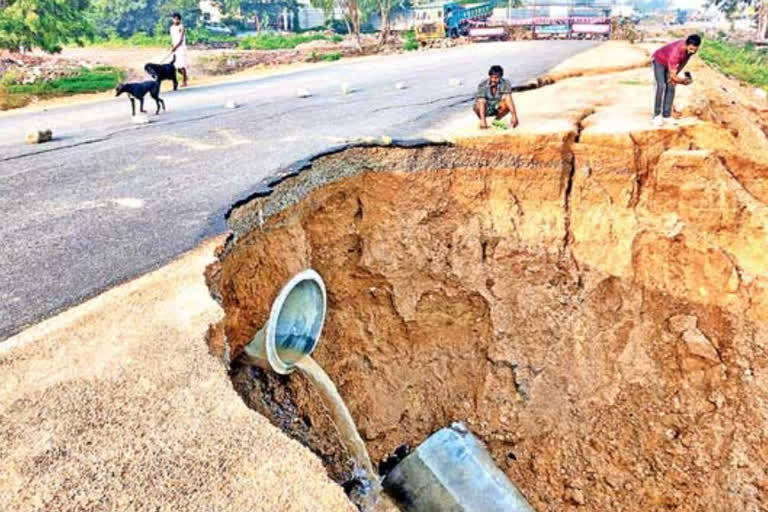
{"x": 451, "y": 297}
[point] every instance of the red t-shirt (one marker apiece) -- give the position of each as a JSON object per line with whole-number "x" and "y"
{"x": 673, "y": 56}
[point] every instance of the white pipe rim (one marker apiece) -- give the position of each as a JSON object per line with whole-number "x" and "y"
{"x": 275, "y": 362}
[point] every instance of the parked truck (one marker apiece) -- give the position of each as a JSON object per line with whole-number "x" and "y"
{"x": 439, "y": 20}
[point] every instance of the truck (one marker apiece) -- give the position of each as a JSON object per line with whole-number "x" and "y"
{"x": 439, "y": 20}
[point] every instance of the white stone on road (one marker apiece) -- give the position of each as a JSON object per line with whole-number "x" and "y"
{"x": 400, "y": 85}
{"x": 39, "y": 136}
{"x": 303, "y": 93}
{"x": 129, "y": 202}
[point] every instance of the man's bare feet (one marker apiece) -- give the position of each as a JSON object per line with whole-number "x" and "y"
{"x": 483, "y": 125}
{"x": 514, "y": 122}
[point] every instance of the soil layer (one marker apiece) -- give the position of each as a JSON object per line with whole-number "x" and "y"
{"x": 592, "y": 302}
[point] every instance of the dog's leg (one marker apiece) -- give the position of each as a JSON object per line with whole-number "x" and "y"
{"x": 175, "y": 80}
{"x": 162, "y": 102}
{"x": 141, "y": 105}
{"x": 133, "y": 107}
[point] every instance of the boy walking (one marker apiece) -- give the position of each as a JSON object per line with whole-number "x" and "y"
{"x": 179, "y": 46}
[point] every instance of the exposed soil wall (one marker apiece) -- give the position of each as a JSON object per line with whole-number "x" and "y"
{"x": 593, "y": 305}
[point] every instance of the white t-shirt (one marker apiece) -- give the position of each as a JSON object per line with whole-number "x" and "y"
{"x": 181, "y": 52}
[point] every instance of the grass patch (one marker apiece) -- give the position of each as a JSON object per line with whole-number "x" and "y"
{"x": 144, "y": 40}
{"x": 741, "y": 62}
{"x": 330, "y": 57}
{"x": 101, "y": 78}
{"x": 282, "y": 41}
{"x": 266, "y": 41}
{"x": 324, "y": 57}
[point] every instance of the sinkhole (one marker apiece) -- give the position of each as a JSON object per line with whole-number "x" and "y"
{"x": 494, "y": 284}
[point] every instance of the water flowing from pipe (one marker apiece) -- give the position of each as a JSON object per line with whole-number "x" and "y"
{"x": 343, "y": 421}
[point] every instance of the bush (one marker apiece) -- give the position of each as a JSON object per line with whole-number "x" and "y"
{"x": 266, "y": 41}
{"x": 100, "y": 78}
{"x": 330, "y": 57}
{"x": 280, "y": 41}
{"x": 142, "y": 39}
{"x": 410, "y": 43}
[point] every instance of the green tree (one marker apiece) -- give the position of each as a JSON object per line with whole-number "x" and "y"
{"x": 354, "y": 13}
{"x": 126, "y": 17}
{"x": 44, "y": 24}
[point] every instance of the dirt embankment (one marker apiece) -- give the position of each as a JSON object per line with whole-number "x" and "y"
{"x": 588, "y": 293}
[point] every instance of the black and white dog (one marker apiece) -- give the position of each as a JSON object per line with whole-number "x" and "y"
{"x": 137, "y": 91}
{"x": 162, "y": 72}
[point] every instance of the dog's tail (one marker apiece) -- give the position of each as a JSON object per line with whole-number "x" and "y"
{"x": 173, "y": 60}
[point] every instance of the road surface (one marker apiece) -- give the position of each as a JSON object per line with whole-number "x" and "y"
{"x": 109, "y": 200}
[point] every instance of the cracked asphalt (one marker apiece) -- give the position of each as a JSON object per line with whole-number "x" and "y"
{"x": 108, "y": 200}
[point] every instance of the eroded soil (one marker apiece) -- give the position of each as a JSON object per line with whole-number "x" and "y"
{"x": 591, "y": 302}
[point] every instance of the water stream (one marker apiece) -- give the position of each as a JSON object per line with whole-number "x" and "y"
{"x": 343, "y": 421}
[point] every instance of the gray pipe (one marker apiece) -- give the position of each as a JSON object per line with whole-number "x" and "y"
{"x": 452, "y": 472}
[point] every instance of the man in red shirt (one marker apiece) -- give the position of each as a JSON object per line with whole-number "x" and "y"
{"x": 668, "y": 61}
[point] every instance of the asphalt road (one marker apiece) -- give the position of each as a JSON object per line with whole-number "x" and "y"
{"x": 109, "y": 200}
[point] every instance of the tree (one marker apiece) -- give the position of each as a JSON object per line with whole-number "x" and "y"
{"x": 760, "y": 6}
{"x": 353, "y": 12}
{"x": 385, "y": 7}
{"x": 126, "y": 17}
{"x": 44, "y": 24}
{"x": 762, "y": 20}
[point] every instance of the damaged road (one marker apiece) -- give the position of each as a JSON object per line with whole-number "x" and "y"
{"x": 107, "y": 201}
{"x": 587, "y": 293}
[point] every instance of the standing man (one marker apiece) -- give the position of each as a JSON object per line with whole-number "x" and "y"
{"x": 179, "y": 46}
{"x": 494, "y": 98}
{"x": 668, "y": 61}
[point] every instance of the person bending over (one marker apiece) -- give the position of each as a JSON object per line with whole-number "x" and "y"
{"x": 668, "y": 61}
